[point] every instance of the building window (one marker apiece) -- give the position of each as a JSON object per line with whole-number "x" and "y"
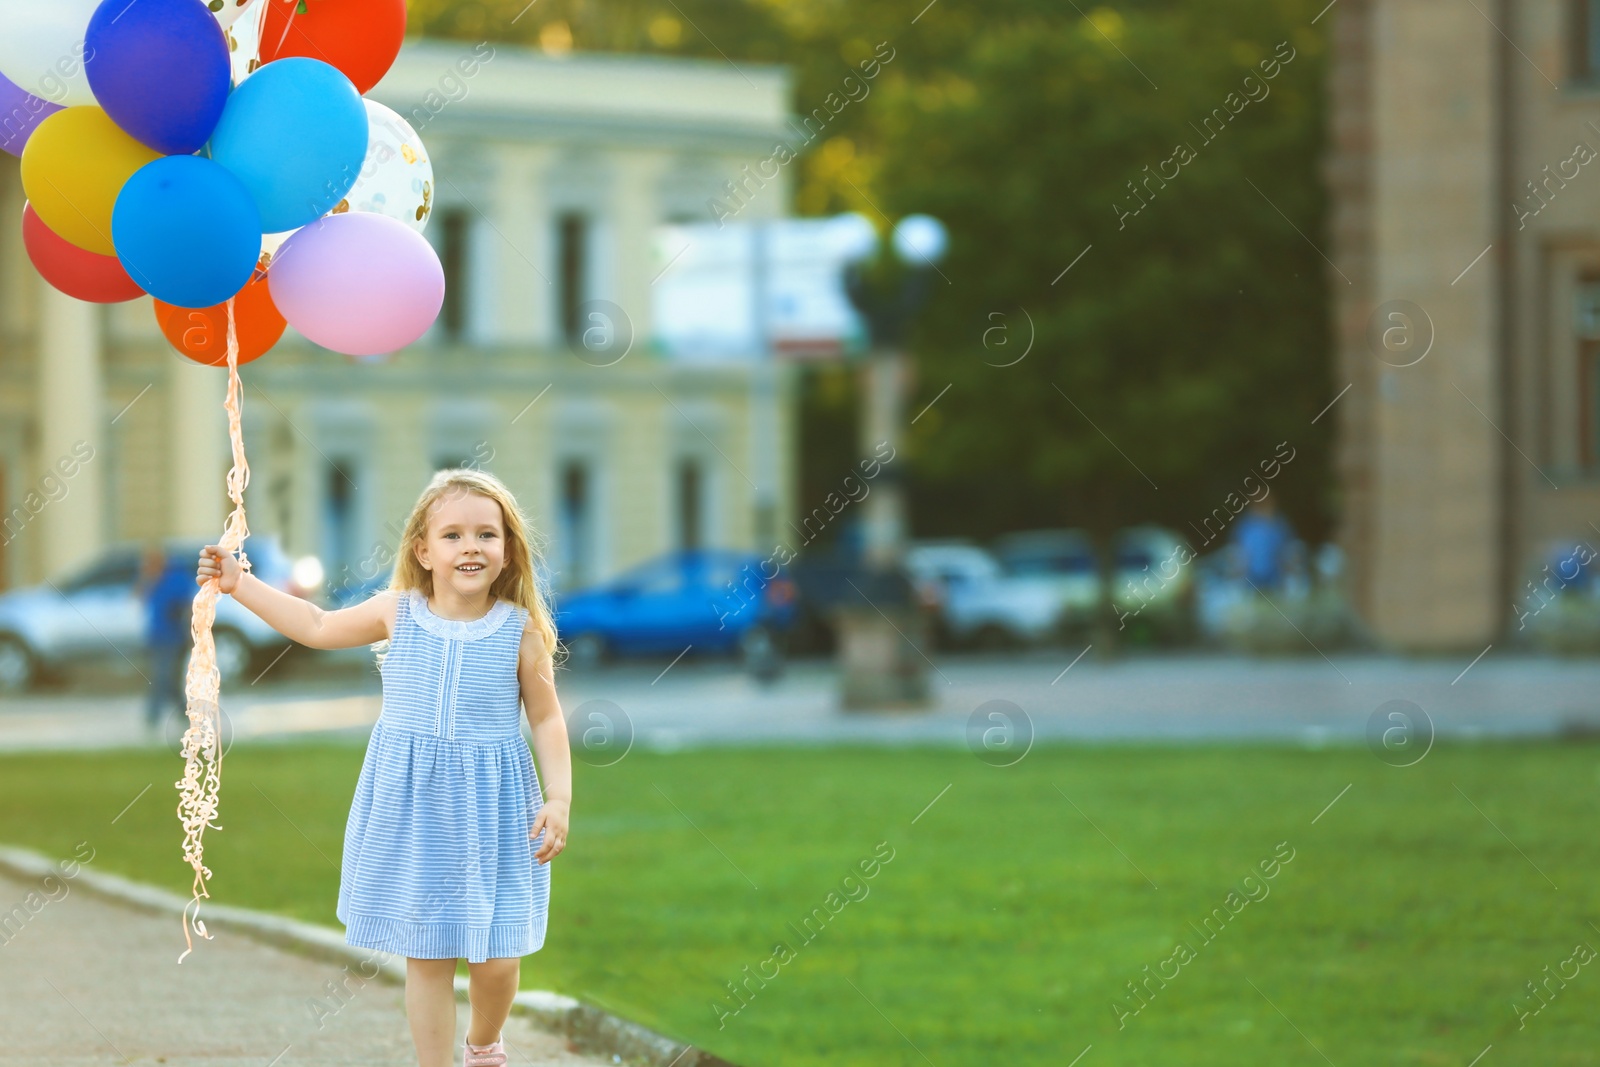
{"x": 1586, "y": 327}
{"x": 1584, "y": 40}
{"x": 691, "y": 500}
{"x": 1589, "y": 405}
{"x": 339, "y": 550}
{"x": 577, "y": 525}
{"x": 5, "y": 531}
{"x": 453, "y": 233}
{"x": 572, "y": 237}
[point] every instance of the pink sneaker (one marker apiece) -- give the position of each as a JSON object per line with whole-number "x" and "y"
{"x": 485, "y": 1055}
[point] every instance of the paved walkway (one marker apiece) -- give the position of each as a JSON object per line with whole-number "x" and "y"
{"x": 1185, "y": 698}
{"x": 86, "y": 983}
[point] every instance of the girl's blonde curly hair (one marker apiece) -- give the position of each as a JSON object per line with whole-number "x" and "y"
{"x": 518, "y": 583}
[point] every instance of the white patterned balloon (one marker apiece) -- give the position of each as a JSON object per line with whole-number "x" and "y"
{"x": 228, "y": 11}
{"x": 396, "y": 177}
{"x": 270, "y": 243}
{"x": 41, "y": 48}
{"x": 244, "y": 39}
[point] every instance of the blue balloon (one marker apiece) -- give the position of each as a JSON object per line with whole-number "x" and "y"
{"x": 160, "y": 69}
{"x": 187, "y": 230}
{"x": 295, "y": 132}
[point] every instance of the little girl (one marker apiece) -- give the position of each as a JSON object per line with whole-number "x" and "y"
{"x": 439, "y": 860}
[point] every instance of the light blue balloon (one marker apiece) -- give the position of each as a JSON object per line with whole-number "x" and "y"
{"x": 295, "y": 133}
{"x": 187, "y": 231}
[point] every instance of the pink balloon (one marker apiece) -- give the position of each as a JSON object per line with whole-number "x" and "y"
{"x": 358, "y": 283}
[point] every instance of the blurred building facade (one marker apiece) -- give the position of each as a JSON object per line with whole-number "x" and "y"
{"x": 552, "y": 175}
{"x": 1465, "y": 243}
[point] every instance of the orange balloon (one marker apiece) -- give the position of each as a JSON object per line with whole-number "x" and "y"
{"x": 202, "y": 335}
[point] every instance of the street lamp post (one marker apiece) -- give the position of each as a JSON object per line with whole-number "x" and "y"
{"x": 881, "y": 637}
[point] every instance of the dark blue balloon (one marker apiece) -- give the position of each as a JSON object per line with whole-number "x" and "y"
{"x": 295, "y": 132}
{"x": 187, "y": 230}
{"x": 160, "y": 69}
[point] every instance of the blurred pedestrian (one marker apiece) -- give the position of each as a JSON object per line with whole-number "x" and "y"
{"x": 168, "y": 589}
{"x": 1263, "y": 539}
{"x": 1569, "y": 565}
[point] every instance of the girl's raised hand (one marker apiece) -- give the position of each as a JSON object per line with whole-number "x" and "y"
{"x": 215, "y": 563}
{"x": 552, "y": 819}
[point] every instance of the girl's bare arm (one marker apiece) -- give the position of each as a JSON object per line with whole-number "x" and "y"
{"x": 536, "y": 674}
{"x": 297, "y": 619}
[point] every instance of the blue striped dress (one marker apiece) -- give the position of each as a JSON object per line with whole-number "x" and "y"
{"x": 437, "y": 860}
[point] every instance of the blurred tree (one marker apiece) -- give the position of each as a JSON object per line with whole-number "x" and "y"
{"x": 820, "y": 40}
{"x": 1186, "y": 343}
{"x": 1192, "y": 335}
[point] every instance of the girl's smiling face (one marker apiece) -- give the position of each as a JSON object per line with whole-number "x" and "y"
{"x": 465, "y": 546}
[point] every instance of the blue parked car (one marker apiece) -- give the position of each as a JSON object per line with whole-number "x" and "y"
{"x": 709, "y": 600}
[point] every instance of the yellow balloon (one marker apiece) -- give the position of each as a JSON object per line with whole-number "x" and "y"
{"x": 73, "y": 167}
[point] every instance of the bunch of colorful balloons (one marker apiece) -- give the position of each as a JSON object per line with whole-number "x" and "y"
{"x": 155, "y": 159}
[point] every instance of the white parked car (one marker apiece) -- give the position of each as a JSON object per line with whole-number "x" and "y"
{"x": 976, "y": 601}
{"x": 1153, "y": 590}
{"x": 1066, "y": 559}
{"x": 96, "y": 613}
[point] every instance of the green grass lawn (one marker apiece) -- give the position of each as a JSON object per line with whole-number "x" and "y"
{"x": 1010, "y": 918}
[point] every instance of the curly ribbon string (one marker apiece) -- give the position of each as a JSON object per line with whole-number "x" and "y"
{"x": 202, "y": 741}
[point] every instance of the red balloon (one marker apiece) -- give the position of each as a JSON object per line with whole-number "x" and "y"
{"x": 359, "y": 37}
{"x": 202, "y": 334}
{"x": 75, "y": 271}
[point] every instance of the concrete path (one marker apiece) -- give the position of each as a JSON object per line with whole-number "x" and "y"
{"x": 85, "y": 982}
{"x": 1049, "y": 694}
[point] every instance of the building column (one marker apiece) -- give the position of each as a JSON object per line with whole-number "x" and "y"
{"x": 199, "y": 456}
{"x": 525, "y": 308}
{"x": 635, "y": 213}
{"x": 1437, "y": 484}
{"x": 70, "y": 529}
